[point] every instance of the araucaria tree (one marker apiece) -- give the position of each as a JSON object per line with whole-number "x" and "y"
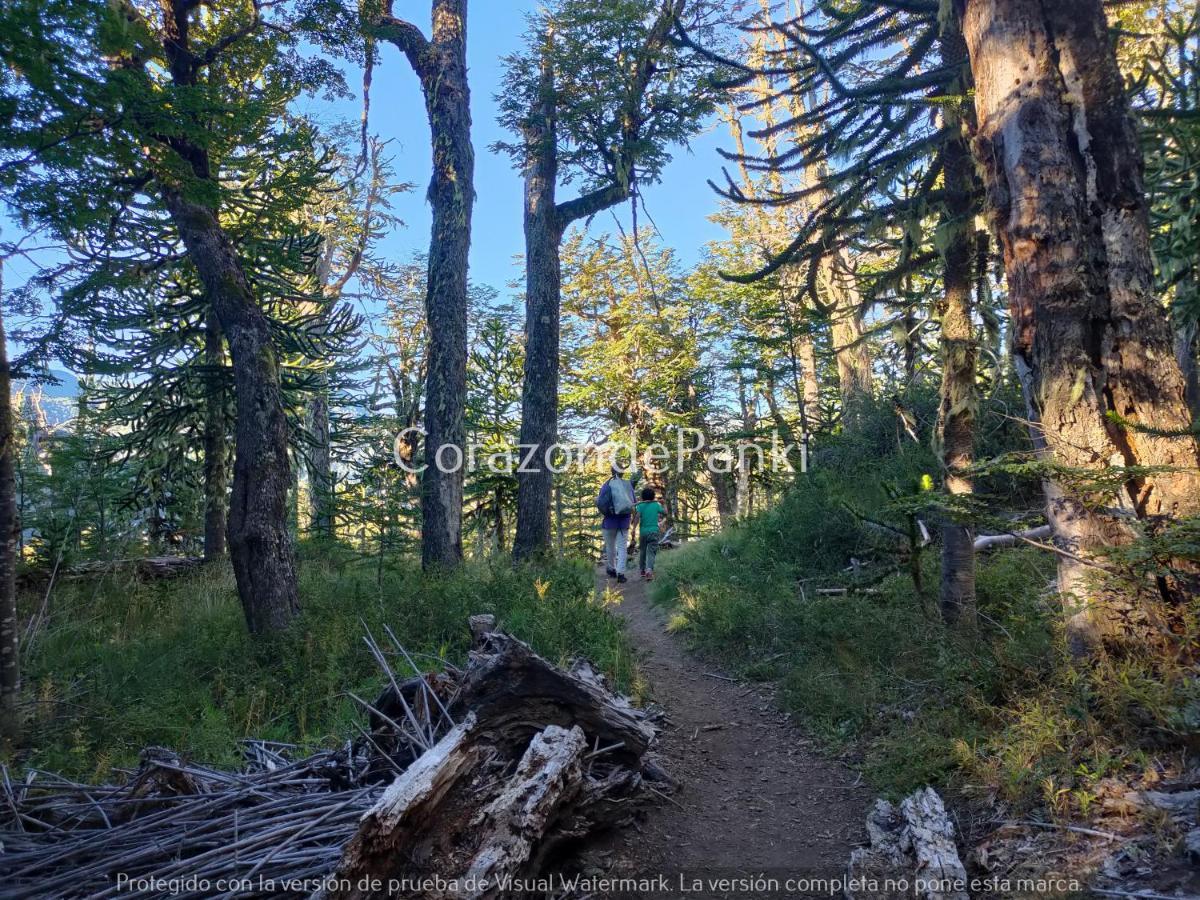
{"x": 872, "y": 164}
{"x": 440, "y": 63}
{"x": 598, "y": 97}
{"x": 1063, "y": 173}
{"x": 123, "y": 120}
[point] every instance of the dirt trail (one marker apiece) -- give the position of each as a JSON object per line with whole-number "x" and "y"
{"x": 756, "y": 797}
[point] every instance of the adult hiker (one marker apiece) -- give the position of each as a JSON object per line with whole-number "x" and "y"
{"x": 616, "y": 504}
{"x": 649, "y": 514}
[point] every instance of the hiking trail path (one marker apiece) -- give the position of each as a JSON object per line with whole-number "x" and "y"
{"x": 756, "y": 797}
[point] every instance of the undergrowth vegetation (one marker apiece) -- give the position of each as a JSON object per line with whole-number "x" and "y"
{"x": 871, "y": 669}
{"x": 124, "y": 664}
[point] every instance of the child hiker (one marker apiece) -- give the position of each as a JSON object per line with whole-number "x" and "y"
{"x": 648, "y": 513}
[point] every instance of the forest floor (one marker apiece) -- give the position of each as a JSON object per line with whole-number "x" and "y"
{"x": 757, "y": 800}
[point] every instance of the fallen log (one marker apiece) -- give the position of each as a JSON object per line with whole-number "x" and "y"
{"x": 483, "y": 793}
{"x": 147, "y": 568}
{"x": 513, "y": 691}
{"x": 549, "y": 776}
{"x": 987, "y": 542}
{"x": 513, "y": 781}
{"x": 400, "y": 827}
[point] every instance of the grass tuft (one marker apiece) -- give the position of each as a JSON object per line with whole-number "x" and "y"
{"x": 874, "y": 672}
{"x": 124, "y": 664}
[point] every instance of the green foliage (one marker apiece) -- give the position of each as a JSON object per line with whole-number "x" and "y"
{"x": 124, "y": 664}
{"x": 1165, "y": 75}
{"x": 610, "y": 119}
{"x": 1003, "y": 712}
{"x": 494, "y": 373}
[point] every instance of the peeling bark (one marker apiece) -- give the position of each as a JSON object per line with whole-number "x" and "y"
{"x": 514, "y": 690}
{"x": 1062, "y": 168}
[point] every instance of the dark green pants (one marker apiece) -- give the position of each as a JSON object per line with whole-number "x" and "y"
{"x": 647, "y": 552}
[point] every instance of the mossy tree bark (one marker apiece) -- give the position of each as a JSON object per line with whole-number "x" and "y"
{"x": 544, "y": 227}
{"x": 260, "y": 546}
{"x": 440, "y": 63}
{"x": 1063, "y": 173}
{"x": 959, "y": 352}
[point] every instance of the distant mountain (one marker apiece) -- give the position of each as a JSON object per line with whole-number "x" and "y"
{"x": 68, "y": 385}
{"x": 57, "y": 400}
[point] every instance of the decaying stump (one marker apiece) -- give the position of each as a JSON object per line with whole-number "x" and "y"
{"x": 912, "y": 853}
{"x": 514, "y": 692}
{"x": 540, "y": 755}
{"x": 466, "y": 778}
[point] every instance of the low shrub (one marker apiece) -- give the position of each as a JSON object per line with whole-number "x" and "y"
{"x": 873, "y": 672}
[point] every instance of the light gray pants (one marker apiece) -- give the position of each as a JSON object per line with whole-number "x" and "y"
{"x": 616, "y": 548}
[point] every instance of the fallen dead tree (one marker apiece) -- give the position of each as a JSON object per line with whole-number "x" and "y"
{"x": 465, "y": 778}
{"x": 985, "y": 542}
{"x": 146, "y": 568}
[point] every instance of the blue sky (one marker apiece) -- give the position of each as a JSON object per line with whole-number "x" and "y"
{"x": 679, "y": 205}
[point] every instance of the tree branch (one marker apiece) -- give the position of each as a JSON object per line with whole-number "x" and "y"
{"x": 407, "y": 37}
{"x": 593, "y": 202}
{"x": 621, "y": 184}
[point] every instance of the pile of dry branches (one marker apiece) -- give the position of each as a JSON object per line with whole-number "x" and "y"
{"x": 479, "y": 772}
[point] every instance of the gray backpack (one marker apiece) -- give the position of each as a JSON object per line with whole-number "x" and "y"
{"x": 621, "y": 492}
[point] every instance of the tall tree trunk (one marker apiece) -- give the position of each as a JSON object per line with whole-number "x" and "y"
{"x": 259, "y": 544}
{"x": 441, "y": 65}
{"x": 545, "y": 223}
{"x": 320, "y": 469}
{"x": 1063, "y": 173}
{"x": 722, "y": 481}
{"x": 498, "y": 514}
{"x": 10, "y": 661}
{"x": 959, "y": 397}
{"x": 782, "y": 427}
{"x": 216, "y": 453}
{"x": 1185, "y": 355}
{"x": 809, "y": 390}
{"x": 543, "y": 302}
{"x": 855, "y": 381}
{"x": 749, "y": 427}
{"x": 725, "y": 496}
{"x": 560, "y": 533}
